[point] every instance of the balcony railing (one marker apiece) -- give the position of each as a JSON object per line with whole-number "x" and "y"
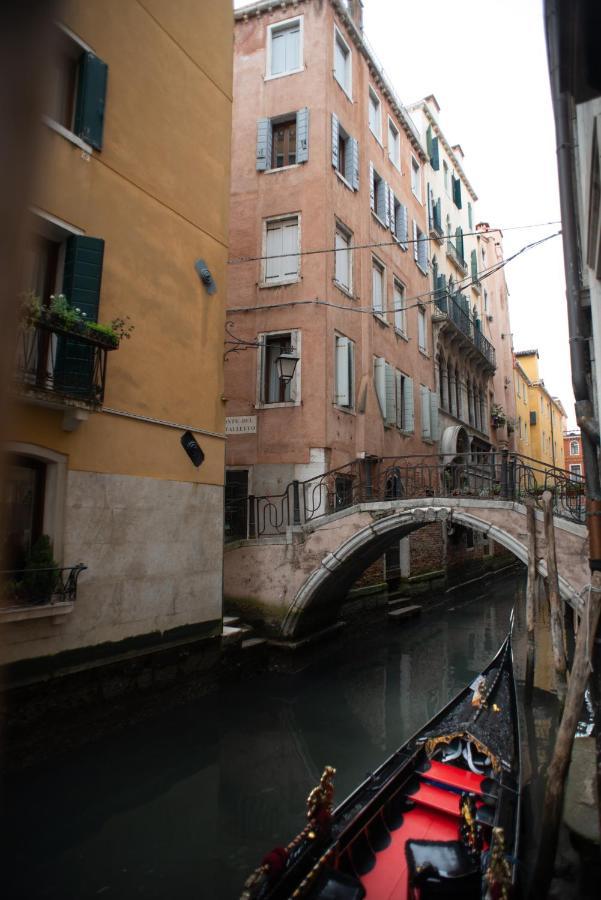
{"x": 62, "y": 362}
{"x": 465, "y": 324}
{"x": 23, "y": 588}
{"x": 455, "y": 255}
{"x": 435, "y": 226}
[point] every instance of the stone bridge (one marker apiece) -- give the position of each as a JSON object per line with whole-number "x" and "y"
{"x": 297, "y": 581}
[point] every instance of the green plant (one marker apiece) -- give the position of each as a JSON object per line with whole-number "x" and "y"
{"x": 31, "y": 308}
{"x": 41, "y": 572}
{"x": 118, "y": 329}
{"x": 69, "y": 315}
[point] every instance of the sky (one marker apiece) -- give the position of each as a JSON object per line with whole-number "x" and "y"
{"x": 485, "y": 61}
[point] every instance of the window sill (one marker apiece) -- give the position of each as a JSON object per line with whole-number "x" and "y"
{"x": 417, "y": 197}
{"x": 67, "y": 134}
{"x": 341, "y": 287}
{"x": 401, "y": 334}
{"x": 379, "y": 317}
{"x": 376, "y": 137}
{"x": 283, "y": 74}
{"x": 282, "y": 169}
{"x": 421, "y": 268}
{"x": 345, "y": 409}
{"x": 285, "y": 404}
{"x": 396, "y": 165}
{"x": 427, "y": 440}
{"x": 378, "y": 219}
{"x": 424, "y": 353}
{"x": 344, "y": 181}
{"x": 44, "y": 611}
{"x": 404, "y": 433}
{"x": 343, "y": 88}
{"x": 276, "y": 284}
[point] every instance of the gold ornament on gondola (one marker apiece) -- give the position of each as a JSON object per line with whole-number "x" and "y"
{"x": 498, "y": 873}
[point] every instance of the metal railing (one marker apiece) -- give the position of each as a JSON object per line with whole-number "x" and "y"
{"x": 454, "y": 253}
{"x": 462, "y": 320}
{"x": 483, "y": 475}
{"x": 39, "y": 587}
{"x": 54, "y": 360}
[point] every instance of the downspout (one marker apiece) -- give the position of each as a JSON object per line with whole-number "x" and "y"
{"x": 578, "y": 325}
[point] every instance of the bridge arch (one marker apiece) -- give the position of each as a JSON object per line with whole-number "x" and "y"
{"x": 320, "y": 596}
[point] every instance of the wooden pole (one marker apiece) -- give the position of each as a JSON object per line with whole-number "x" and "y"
{"x": 559, "y": 657}
{"x": 530, "y": 600}
{"x": 558, "y": 766}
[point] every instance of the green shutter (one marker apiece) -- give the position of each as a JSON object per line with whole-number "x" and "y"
{"x": 457, "y": 192}
{"x": 434, "y": 155}
{"x": 429, "y": 140}
{"x": 73, "y": 369}
{"x": 474, "y": 261}
{"x": 91, "y": 95}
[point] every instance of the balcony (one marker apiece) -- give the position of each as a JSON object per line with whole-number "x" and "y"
{"x": 448, "y": 310}
{"x": 435, "y": 224}
{"x": 61, "y": 366}
{"x": 38, "y": 593}
{"x": 456, "y": 256}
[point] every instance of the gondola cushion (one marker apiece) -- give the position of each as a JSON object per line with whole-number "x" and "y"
{"x": 335, "y": 885}
{"x": 445, "y": 866}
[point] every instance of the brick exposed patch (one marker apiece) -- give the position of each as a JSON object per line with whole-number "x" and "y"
{"x": 427, "y": 549}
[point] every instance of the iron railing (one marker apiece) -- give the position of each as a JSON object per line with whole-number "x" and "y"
{"x": 455, "y": 255}
{"x": 483, "y": 475}
{"x": 464, "y": 323}
{"x": 38, "y": 587}
{"x": 54, "y": 360}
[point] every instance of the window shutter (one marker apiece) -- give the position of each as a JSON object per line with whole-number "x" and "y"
{"x": 425, "y": 410}
{"x": 349, "y": 161}
{"x": 399, "y": 400}
{"x": 372, "y": 196}
{"x": 429, "y": 199}
{"x": 294, "y": 386}
{"x": 386, "y": 203}
{"x": 390, "y": 395}
{"x": 261, "y": 373}
{"x": 434, "y": 415}
{"x": 391, "y": 211}
{"x": 91, "y": 97}
{"x": 74, "y": 362}
{"x": 380, "y": 383}
{"x": 335, "y": 138}
{"x": 290, "y": 263}
{"x": 342, "y": 371}
{"x": 302, "y": 135}
{"x": 429, "y": 140}
{"x": 415, "y": 251}
{"x": 422, "y": 253}
{"x": 457, "y": 192}
{"x": 408, "y": 410}
{"x": 474, "y": 261}
{"x": 434, "y": 155}
{"x": 459, "y": 241}
{"x": 355, "y": 155}
{"x": 264, "y": 135}
{"x": 274, "y": 248}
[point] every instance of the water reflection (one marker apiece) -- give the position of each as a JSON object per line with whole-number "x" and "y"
{"x": 186, "y": 805}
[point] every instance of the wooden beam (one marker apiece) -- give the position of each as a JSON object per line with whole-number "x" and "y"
{"x": 557, "y": 638}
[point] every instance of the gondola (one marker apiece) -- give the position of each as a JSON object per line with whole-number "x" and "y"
{"x": 439, "y": 818}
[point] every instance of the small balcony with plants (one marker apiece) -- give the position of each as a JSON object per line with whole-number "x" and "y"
{"x": 61, "y": 356}
{"x": 41, "y": 588}
{"x": 451, "y": 311}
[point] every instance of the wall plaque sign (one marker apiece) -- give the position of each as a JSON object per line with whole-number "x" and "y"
{"x": 240, "y": 424}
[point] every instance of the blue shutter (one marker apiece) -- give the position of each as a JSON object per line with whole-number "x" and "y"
{"x": 403, "y": 231}
{"x": 91, "y": 97}
{"x": 335, "y": 139}
{"x": 73, "y": 369}
{"x": 302, "y": 135}
{"x": 264, "y": 139}
{"x": 355, "y": 152}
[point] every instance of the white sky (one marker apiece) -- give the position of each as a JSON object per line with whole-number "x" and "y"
{"x": 485, "y": 61}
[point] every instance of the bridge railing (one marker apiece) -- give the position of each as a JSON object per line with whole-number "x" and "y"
{"x": 495, "y": 475}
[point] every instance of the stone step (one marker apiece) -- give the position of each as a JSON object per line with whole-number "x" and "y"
{"x": 397, "y": 602}
{"x": 407, "y": 612}
{"x": 249, "y": 643}
{"x": 231, "y": 620}
{"x": 230, "y": 634}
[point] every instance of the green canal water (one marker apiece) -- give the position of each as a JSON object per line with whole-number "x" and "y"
{"x": 186, "y": 804}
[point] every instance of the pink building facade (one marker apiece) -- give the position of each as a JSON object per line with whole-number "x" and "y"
{"x": 325, "y": 160}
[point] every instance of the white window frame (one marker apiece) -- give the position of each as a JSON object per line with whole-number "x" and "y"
{"x": 572, "y": 451}
{"x": 400, "y": 315}
{"x": 421, "y": 317}
{"x": 295, "y": 384}
{"x": 380, "y": 214}
{"x": 350, "y": 407}
{"x": 282, "y": 26}
{"x": 377, "y": 263}
{"x": 347, "y": 88}
{"x": 346, "y": 234}
{"x": 372, "y": 94}
{"x": 575, "y": 469}
{"x": 396, "y": 161}
{"x": 416, "y": 178}
{"x": 293, "y": 279}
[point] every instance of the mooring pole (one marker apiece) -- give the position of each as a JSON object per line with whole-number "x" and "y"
{"x": 557, "y": 639}
{"x": 530, "y": 599}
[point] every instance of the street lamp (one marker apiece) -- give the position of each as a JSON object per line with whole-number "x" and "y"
{"x": 286, "y": 365}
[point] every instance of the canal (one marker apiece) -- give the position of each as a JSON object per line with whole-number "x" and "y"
{"x": 186, "y": 804}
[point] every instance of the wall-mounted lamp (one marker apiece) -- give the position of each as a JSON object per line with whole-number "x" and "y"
{"x": 204, "y": 273}
{"x": 285, "y": 362}
{"x": 192, "y": 448}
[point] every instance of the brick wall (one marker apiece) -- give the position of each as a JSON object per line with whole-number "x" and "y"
{"x": 427, "y": 549}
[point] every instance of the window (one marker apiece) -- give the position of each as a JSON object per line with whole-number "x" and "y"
{"x": 456, "y": 191}
{"x": 422, "y": 340}
{"x": 394, "y": 144}
{"x": 24, "y": 487}
{"x": 76, "y": 90}
{"x": 345, "y": 154}
{"x": 379, "y": 196}
{"x": 445, "y": 173}
{"x": 394, "y": 392}
{"x": 485, "y": 300}
{"x": 429, "y": 412}
{"x": 469, "y": 539}
{"x": 283, "y": 140}
{"x": 420, "y": 248}
{"x": 271, "y": 388}
{"x": 342, "y": 63}
{"x": 375, "y": 117}
{"x": 399, "y": 220}
{"x": 470, "y": 216}
{"x": 575, "y": 470}
{"x": 281, "y": 248}
{"x": 377, "y": 287}
{"x": 345, "y": 372}
{"x": 415, "y": 178}
{"x": 285, "y": 47}
{"x": 404, "y": 402}
{"x": 574, "y": 448}
{"x": 344, "y": 259}
{"x": 398, "y": 296}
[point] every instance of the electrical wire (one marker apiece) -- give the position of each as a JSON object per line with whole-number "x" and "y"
{"x": 393, "y": 243}
{"x": 459, "y": 285}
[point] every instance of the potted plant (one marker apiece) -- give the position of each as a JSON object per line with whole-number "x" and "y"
{"x": 497, "y": 416}
{"x": 62, "y": 315}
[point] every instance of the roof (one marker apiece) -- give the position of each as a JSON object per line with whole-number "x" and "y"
{"x": 526, "y": 352}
